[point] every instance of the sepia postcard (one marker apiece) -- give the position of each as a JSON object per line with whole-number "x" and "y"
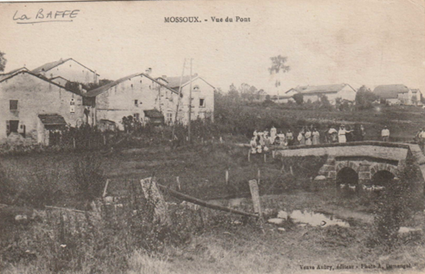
{"x": 276, "y": 136}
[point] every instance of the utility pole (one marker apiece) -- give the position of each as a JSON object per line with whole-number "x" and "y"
{"x": 190, "y": 101}
{"x": 178, "y": 98}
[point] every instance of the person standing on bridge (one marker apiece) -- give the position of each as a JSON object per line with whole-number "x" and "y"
{"x": 341, "y": 134}
{"x": 290, "y": 138}
{"x": 308, "y": 136}
{"x": 332, "y": 135}
{"x": 316, "y": 137}
{"x": 301, "y": 138}
{"x": 385, "y": 134}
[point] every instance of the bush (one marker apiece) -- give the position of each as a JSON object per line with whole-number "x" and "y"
{"x": 395, "y": 207}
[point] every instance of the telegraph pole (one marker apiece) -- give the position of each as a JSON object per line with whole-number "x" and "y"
{"x": 190, "y": 101}
{"x": 178, "y": 97}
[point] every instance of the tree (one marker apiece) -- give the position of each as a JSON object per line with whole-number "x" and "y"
{"x": 2, "y": 61}
{"x": 365, "y": 98}
{"x": 278, "y": 65}
{"x": 299, "y": 98}
{"x": 233, "y": 93}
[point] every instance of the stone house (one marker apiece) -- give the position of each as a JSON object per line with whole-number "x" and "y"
{"x": 332, "y": 92}
{"x": 69, "y": 69}
{"x": 33, "y": 107}
{"x": 134, "y": 95}
{"x": 201, "y": 103}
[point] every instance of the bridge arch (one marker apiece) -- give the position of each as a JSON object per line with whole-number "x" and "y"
{"x": 344, "y": 164}
{"x": 382, "y": 178}
{"x": 383, "y": 167}
{"x": 346, "y": 177}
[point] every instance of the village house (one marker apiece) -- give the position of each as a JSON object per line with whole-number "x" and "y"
{"x": 287, "y": 97}
{"x": 62, "y": 71}
{"x": 332, "y": 92}
{"x": 398, "y": 94}
{"x": 33, "y": 107}
{"x": 137, "y": 95}
{"x": 201, "y": 103}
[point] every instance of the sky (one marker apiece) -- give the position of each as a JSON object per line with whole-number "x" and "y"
{"x": 359, "y": 42}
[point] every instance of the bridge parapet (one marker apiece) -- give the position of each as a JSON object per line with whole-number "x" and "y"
{"x": 371, "y": 150}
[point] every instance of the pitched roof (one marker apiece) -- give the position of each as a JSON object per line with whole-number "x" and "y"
{"x": 320, "y": 89}
{"x": 51, "y": 65}
{"x": 390, "y": 91}
{"x": 52, "y": 119}
{"x": 174, "y": 82}
{"x": 99, "y": 90}
{"x": 8, "y": 76}
{"x": 153, "y": 113}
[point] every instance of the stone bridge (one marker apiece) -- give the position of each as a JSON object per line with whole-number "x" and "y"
{"x": 362, "y": 163}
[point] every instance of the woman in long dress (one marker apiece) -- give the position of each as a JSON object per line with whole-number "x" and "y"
{"x": 341, "y": 134}
{"x": 316, "y": 137}
{"x": 301, "y": 138}
{"x": 308, "y": 136}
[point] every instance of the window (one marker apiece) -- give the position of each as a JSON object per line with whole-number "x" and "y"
{"x": 136, "y": 103}
{"x": 201, "y": 102}
{"x": 136, "y": 117}
{"x": 13, "y": 105}
{"x": 169, "y": 118}
{"x": 196, "y": 88}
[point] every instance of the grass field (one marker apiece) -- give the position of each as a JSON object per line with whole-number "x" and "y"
{"x": 210, "y": 241}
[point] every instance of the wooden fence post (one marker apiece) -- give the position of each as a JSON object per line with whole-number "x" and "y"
{"x": 249, "y": 155}
{"x": 258, "y": 176}
{"x": 265, "y": 157}
{"x": 227, "y": 176}
{"x": 291, "y": 171}
{"x": 105, "y": 189}
{"x": 255, "y": 194}
{"x": 178, "y": 183}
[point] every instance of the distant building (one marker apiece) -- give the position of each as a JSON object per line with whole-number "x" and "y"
{"x": 68, "y": 70}
{"x": 332, "y": 92}
{"x": 398, "y": 94}
{"x": 202, "y": 103}
{"x": 34, "y": 107}
{"x": 286, "y": 97}
{"x": 136, "y": 95}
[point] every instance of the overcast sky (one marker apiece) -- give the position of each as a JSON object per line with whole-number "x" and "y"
{"x": 326, "y": 41}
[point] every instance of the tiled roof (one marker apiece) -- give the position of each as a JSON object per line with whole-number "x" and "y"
{"x": 174, "y": 82}
{"x": 7, "y": 74}
{"x": 390, "y": 91}
{"x": 52, "y": 119}
{"x": 49, "y": 66}
{"x": 319, "y": 89}
{"x": 104, "y": 88}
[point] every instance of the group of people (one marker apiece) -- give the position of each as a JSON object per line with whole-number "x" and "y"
{"x": 262, "y": 140}
{"x": 308, "y": 135}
